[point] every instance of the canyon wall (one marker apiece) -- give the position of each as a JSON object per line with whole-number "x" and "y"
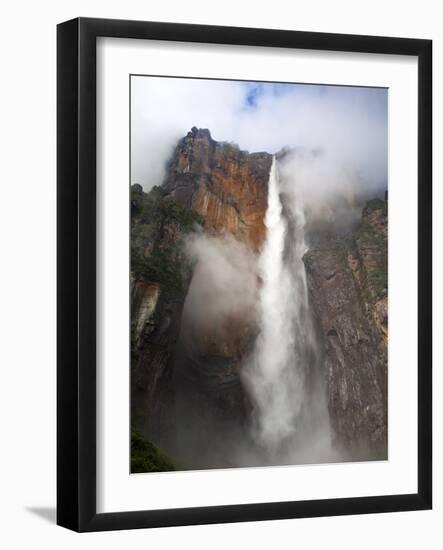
{"x": 187, "y": 394}
{"x": 186, "y": 375}
{"x": 225, "y": 185}
{"x": 347, "y": 278}
{"x": 160, "y": 276}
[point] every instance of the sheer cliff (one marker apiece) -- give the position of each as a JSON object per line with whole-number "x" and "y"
{"x": 187, "y": 391}
{"x": 347, "y": 278}
{"x": 188, "y": 374}
{"x": 160, "y": 276}
{"x": 227, "y": 186}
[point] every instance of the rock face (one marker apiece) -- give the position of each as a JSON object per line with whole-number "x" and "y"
{"x": 144, "y": 303}
{"x": 187, "y": 396}
{"x": 155, "y": 329}
{"x": 160, "y": 277}
{"x": 347, "y": 279}
{"x": 198, "y": 385}
{"x": 227, "y": 186}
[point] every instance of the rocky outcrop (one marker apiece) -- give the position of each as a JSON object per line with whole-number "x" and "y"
{"x": 347, "y": 278}
{"x": 156, "y": 325}
{"x": 160, "y": 276}
{"x": 144, "y": 303}
{"x": 227, "y": 186}
{"x": 186, "y": 389}
{"x": 223, "y": 189}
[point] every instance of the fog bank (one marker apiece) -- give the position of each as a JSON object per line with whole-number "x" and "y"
{"x": 347, "y": 125}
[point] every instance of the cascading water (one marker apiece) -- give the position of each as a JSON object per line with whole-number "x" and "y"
{"x": 285, "y": 348}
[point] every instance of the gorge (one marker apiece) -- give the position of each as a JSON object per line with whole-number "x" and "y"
{"x": 258, "y": 313}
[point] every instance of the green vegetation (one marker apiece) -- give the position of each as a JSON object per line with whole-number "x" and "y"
{"x": 171, "y": 211}
{"x": 154, "y": 208}
{"x": 378, "y": 204}
{"x": 367, "y": 233}
{"x": 379, "y": 277}
{"x": 377, "y": 274}
{"x": 158, "y": 223}
{"x": 146, "y": 457}
{"x": 161, "y": 267}
{"x": 337, "y": 246}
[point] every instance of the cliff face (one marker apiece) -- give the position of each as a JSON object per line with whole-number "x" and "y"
{"x": 187, "y": 394}
{"x": 228, "y": 187}
{"x": 225, "y": 190}
{"x": 347, "y": 279}
{"x": 160, "y": 277}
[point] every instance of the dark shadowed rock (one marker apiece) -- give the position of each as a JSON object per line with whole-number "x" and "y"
{"x": 225, "y": 190}
{"x": 347, "y": 279}
{"x": 190, "y": 399}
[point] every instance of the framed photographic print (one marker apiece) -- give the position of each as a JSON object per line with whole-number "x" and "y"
{"x": 241, "y": 213}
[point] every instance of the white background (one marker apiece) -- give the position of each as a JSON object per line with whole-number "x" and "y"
{"x": 27, "y": 218}
{"x": 116, "y": 489}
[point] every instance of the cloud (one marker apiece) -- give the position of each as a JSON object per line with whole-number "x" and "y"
{"x": 164, "y": 109}
{"x": 337, "y": 138}
{"x": 224, "y": 283}
{"x": 348, "y": 124}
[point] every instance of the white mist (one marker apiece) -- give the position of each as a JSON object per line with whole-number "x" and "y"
{"x": 290, "y": 420}
{"x": 275, "y": 383}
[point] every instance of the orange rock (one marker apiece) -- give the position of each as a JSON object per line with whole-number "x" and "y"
{"x": 227, "y": 186}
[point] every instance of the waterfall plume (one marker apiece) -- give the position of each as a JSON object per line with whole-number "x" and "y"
{"x": 283, "y": 360}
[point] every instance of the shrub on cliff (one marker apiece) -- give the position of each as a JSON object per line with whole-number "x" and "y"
{"x": 146, "y": 457}
{"x": 152, "y": 257}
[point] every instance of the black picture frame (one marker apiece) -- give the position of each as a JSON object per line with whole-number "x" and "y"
{"x": 76, "y": 266}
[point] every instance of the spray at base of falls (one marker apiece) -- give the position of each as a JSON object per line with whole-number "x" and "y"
{"x": 285, "y": 349}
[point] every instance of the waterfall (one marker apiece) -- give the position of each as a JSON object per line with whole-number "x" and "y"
{"x": 276, "y": 375}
